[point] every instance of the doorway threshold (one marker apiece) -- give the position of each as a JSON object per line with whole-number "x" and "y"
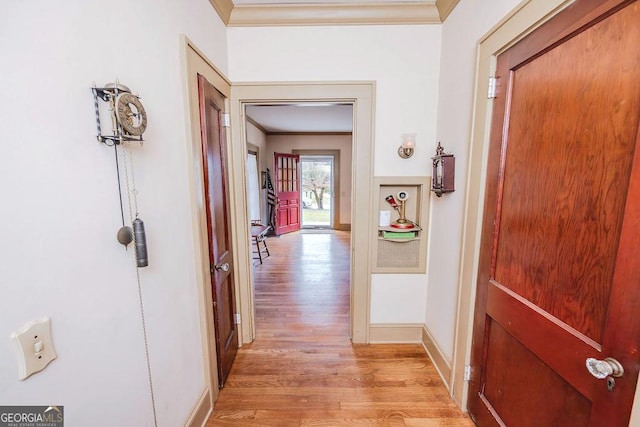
{"x": 316, "y": 230}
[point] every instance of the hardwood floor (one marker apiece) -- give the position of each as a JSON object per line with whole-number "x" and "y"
{"x": 302, "y": 369}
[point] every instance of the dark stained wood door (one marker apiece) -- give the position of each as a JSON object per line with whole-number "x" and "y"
{"x": 218, "y": 227}
{"x": 287, "y": 169}
{"x": 559, "y": 270}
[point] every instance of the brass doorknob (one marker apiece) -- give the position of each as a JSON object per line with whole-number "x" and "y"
{"x": 604, "y": 368}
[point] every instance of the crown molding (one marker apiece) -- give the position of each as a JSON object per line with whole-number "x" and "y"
{"x": 223, "y": 8}
{"x": 333, "y": 14}
{"x": 445, "y": 7}
{"x": 256, "y": 124}
{"x": 263, "y": 15}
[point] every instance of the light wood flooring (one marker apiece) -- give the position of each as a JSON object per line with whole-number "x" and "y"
{"x": 302, "y": 369}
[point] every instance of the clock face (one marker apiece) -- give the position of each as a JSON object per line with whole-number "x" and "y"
{"x": 130, "y": 114}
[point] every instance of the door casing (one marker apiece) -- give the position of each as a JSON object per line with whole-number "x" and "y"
{"x": 194, "y": 62}
{"x": 361, "y": 94}
{"x": 523, "y": 20}
{"x": 220, "y": 237}
{"x": 336, "y": 180}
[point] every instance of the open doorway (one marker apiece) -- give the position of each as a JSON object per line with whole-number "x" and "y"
{"x": 360, "y": 94}
{"x": 356, "y": 194}
{"x": 318, "y": 191}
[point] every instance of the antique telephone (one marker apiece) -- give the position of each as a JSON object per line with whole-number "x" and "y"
{"x": 402, "y": 222}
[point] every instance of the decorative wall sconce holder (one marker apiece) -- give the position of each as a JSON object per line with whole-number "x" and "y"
{"x": 444, "y": 172}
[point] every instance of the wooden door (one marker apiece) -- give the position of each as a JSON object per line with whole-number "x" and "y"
{"x": 218, "y": 227}
{"x": 287, "y": 192}
{"x": 559, "y": 270}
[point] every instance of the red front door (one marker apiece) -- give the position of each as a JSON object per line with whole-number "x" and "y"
{"x": 287, "y": 192}
{"x": 559, "y": 270}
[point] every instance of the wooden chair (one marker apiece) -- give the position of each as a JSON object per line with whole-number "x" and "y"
{"x": 259, "y": 235}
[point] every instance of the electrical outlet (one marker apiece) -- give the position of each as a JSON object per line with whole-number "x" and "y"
{"x": 33, "y": 347}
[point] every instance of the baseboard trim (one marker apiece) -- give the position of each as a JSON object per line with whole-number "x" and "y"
{"x": 438, "y": 359}
{"x": 201, "y": 411}
{"x": 407, "y": 333}
{"x": 344, "y": 227}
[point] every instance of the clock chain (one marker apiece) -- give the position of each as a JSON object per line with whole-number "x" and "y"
{"x": 133, "y": 203}
{"x": 133, "y": 190}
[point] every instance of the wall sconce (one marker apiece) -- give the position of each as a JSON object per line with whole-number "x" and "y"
{"x": 408, "y": 144}
{"x": 444, "y": 172}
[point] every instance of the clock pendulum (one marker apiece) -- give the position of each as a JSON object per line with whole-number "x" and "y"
{"x": 125, "y": 233}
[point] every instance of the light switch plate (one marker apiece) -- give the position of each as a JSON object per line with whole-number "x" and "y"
{"x": 33, "y": 347}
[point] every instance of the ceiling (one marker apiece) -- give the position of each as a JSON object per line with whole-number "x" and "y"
{"x": 309, "y": 117}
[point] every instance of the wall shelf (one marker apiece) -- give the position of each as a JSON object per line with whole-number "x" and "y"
{"x": 393, "y": 252}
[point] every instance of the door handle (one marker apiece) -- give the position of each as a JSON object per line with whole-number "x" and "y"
{"x": 604, "y": 368}
{"x": 223, "y": 267}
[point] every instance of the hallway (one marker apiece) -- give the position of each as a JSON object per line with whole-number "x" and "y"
{"x": 302, "y": 369}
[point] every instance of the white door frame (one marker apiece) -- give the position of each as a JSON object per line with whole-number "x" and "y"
{"x": 361, "y": 94}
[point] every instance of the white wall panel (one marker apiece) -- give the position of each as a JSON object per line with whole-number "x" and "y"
{"x": 397, "y": 298}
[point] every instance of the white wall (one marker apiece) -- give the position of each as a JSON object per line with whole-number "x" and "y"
{"x": 398, "y": 298}
{"x": 404, "y": 63}
{"x": 343, "y": 143}
{"x": 60, "y": 211}
{"x": 402, "y": 60}
{"x": 460, "y": 33}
